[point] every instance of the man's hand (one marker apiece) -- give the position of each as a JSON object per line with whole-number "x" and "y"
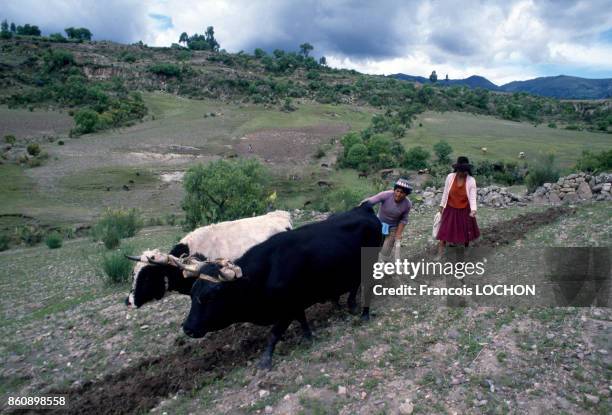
{"x": 473, "y": 214}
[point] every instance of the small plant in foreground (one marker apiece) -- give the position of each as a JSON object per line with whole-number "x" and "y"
{"x": 116, "y": 267}
{"x": 54, "y": 240}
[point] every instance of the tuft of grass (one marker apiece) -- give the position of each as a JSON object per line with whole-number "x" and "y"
{"x": 54, "y": 240}
{"x": 116, "y": 267}
{"x": 116, "y": 224}
{"x": 4, "y": 242}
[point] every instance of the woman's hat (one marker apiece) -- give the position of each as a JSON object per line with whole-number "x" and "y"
{"x": 462, "y": 164}
{"x": 403, "y": 184}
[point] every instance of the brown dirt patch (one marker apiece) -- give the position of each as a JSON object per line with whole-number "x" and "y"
{"x": 503, "y": 233}
{"x": 288, "y": 145}
{"x": 25, "y": 124}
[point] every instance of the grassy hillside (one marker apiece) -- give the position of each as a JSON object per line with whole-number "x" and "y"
{"x": 468, "y": 133}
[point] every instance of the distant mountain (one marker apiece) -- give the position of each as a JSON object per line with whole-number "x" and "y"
{"x": 562, "y": 86}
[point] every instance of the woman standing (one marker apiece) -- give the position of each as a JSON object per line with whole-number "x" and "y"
{"x": 458, "y": 207}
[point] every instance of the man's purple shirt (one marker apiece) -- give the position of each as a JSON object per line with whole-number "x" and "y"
{"x": 390, "y": 211}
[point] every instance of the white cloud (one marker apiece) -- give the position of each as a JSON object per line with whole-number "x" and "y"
{"x": 501, "y": 40}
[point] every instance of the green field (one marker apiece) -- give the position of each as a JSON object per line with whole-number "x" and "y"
{"x": 504, "y": 139}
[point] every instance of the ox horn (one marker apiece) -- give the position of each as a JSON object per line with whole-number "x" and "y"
{"x": 133, "y": 258}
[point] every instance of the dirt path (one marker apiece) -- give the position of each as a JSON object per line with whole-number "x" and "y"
{"x": 140, "y": 387}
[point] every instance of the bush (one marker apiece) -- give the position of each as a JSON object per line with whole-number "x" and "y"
{"x": 358, "y": 154}
{"x": 56, "y": 59}
{"x": 342, "y": 200}
{"x": 115, "y": 225}
{"x": 166, "y": 69}
{"x": 416, "y": 158}
{"x": 552, "y": 125}
{"x": 595, "y": 163}
{"x": 110, "y": 238}
{"x": 224, "y": 190}
{"x": 5, "y": 241}
{"x": 86, "y": 121}
{"x": 320, "y": 153}
{"x": 33, "y": 149}
{"x": 443, "y": 150}
{"x": 10, "y": 139}
{"x": 116, "y": 267}
{"x": 543, "y": 171}
{"x": 29, "y": 235}
{"x": 54, "y": 240}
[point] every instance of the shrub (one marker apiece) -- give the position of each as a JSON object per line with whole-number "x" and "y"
{"x": 543, "y": 171}
{"x": 54, "y": 240}
{"x": 595, "y": 163}
{"x": 349, "y": 140}
{"x": 116, "y": 267}
{"x": 552, "y": 125}
{"x": 342, "y": 200}
{"x": 224, "y": 190}
{"x": 416, "y": 158}
{"x": 5, "y": 240}
{"x": 320, "y": 153}
{"x": 443, "y": 150}
{"x": 166, "y": 69}
{"x": 358, "y": 154}
{"x": 56, "y": 59}
{"x": 29, "y": 235}
{"x": 10, "y": 139}
{"x": 86, "y": 121}
{"x": 116, "y": 224}
{"x": 110, "y": 238}
{"x": 33, "y": 149}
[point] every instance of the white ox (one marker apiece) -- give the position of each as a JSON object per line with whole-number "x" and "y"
{"x": 227, "y": 240}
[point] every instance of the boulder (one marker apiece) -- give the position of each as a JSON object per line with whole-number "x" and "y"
{"x": 584, "y": 191}
{"x": 554, "y": 198}
{"x": 571, "y": 197}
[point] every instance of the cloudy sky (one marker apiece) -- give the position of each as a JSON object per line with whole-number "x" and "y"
{"x": 503, "y": 40}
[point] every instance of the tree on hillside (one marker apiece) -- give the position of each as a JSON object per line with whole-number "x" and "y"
{"x": 184, "y": 38}
{"x": 28, "y": 30}
{"x": 446, "y": 79}
{"x": 13, "y": 27}
{"x": 210, "y": 39}
{"x": 443, "y": 150}
{"x": 322, "y": 61}
{"x": 305, "y": 49}
{"x": 259, "y": 53}
{"x": 4, "y": 30}
{"x": 433, "y": 77}
{"x": 224, "y": 190}
{"x": 206, "y": 41}
{"x": 78, "y": 33}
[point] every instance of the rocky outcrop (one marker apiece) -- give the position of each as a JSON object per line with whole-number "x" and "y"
{"x": 575, "y": 188}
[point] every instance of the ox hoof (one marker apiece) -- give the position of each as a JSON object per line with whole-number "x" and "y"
{"x": 353, "y": 309}
{"x": 265, "y": 363}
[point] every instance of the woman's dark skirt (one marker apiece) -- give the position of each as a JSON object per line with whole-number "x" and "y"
{"x": 457, "y": 227}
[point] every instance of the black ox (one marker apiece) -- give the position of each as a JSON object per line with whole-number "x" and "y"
{"x": 285, "y": 275}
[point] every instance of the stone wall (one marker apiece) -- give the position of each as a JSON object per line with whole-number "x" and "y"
{"x": 574, "y": 188}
